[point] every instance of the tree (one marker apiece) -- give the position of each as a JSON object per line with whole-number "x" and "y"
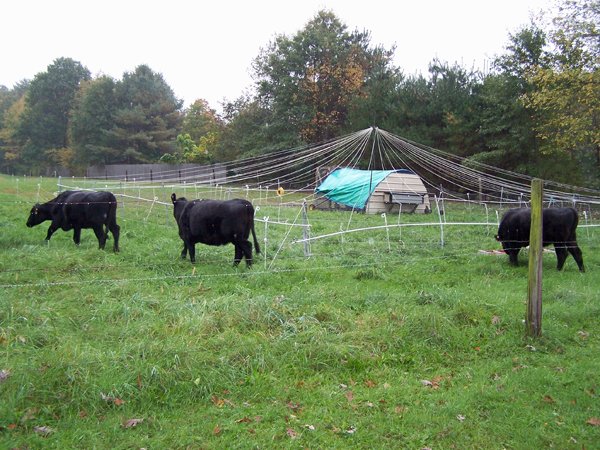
{"x": 10, "y": 147}
{"x": 441, "y": 111}
{"x": 92, "y": 119}
{"x": 205, "y": 127}
{"x": 566, "y": 94}
{"x": 12, "y": 105}
{"x": 569, "y": 104}
{"x": 524, "y": 53}
{"x": 455, "y": 118}
{"x": 379, "y": 101}
{"x": 147, "y": 119}
{"x": 189, "y": 152}
{"x": 193, "y": 153}
{"x": 200, "y": 119}
{"x": 310, "y": 80}
{"x": 507, "y": 125}
{"x": 248, "y": 131}
{"x": 48, "y": 102}
{"x": 576, "y": 34}
{"x": 9, "y": 96}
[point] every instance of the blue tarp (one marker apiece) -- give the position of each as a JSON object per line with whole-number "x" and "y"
{"x": 353, "y": 187}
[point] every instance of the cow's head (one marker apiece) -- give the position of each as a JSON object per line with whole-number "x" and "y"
{"x": 36, "y": 216}
{"x": 178, "y": 205}
{"x": 176, "y": 200}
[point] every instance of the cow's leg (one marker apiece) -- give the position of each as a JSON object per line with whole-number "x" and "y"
{"x": 513, "y": 256}
{"x": 100, "y": 235}
{"x": 577, "y": 255}
{"x": 116, "y": 231}
{"x": 561, "y": 255}
{"x": 239, "y": 254}
{"x": 192, "y": 250}
{"x": 247, "y": 249}
{"x": 76, "y": 235}
{"x": 184, "y": 251}
{"x": 51, "y": 231}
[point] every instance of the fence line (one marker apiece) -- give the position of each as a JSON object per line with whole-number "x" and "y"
{"x": 173, "y": 277}
{"x": 306, "y": 240}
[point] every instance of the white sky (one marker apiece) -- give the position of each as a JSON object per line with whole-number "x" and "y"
{"x": 204, "y": 49}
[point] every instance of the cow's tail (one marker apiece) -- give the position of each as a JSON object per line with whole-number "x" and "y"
{"x": 256, "y": 247}
{"x": 111, "y": 219}
{"x": 573, "y": 230}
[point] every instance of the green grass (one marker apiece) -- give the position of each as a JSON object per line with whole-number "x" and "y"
{"x": 358, "y": 346}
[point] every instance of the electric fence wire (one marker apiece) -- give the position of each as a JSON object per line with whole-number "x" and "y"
{"x": 297, "y": 166}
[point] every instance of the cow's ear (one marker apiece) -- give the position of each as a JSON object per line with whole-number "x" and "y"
{"x": 173, "y": 197}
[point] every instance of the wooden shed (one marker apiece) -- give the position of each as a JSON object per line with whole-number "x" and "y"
{"x": 371, "y": 191}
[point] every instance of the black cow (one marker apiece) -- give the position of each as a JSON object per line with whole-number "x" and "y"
{"x": 558, "y": 226}
{"x": 214, "y": 222}
{"x": 76, "y": 210}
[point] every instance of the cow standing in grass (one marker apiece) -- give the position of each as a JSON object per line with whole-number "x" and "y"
{"x": 75, "y": 210}
{"x": 558, "y": 224}
{"x": 214, "y": 222}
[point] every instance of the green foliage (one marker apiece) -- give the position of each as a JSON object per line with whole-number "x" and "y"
{"x": 92, "y": 118}
{"x": 43, "y": 124}
{"x": 310, "y": 80}
{"x": 200, "y": 119}
{"x": 248, "y": 131}
{"x": 8, "y": 97}
{"x": 421, "y": 346}
{"x": 576, "y": 35}
{"x": 189, "y": 152}
{"x": 186, "y": 145}
{"x": 569, "y": 105}
{"x": 193, "y": 153}
{"x": 10, "y": 148}
{"x": 507, "y": 124}
{"x": 147, "y": 118}
{"x": 524, "y": 52}
{"x": 453, "y": 112}
{"x": 379, "y": 103}
{"x": 566, "y": 92}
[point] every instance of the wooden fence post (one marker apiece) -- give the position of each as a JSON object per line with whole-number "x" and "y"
{"x": 534, "y": 294}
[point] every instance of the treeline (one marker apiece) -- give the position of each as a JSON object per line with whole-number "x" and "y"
{"x": 536, "y": 112}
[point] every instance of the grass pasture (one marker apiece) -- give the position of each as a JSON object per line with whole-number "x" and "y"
{"x": 378, "y": 340}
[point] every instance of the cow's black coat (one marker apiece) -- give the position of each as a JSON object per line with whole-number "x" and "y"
{"x": 215, "y": 222}
{"x": 79, "y": 209}
{"x": 559, "y": 225}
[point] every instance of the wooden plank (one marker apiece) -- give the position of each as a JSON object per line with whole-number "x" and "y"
{"x": 534, "y": 293}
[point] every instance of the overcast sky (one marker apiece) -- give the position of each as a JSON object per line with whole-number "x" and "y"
{"x": 204, "y": 49}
